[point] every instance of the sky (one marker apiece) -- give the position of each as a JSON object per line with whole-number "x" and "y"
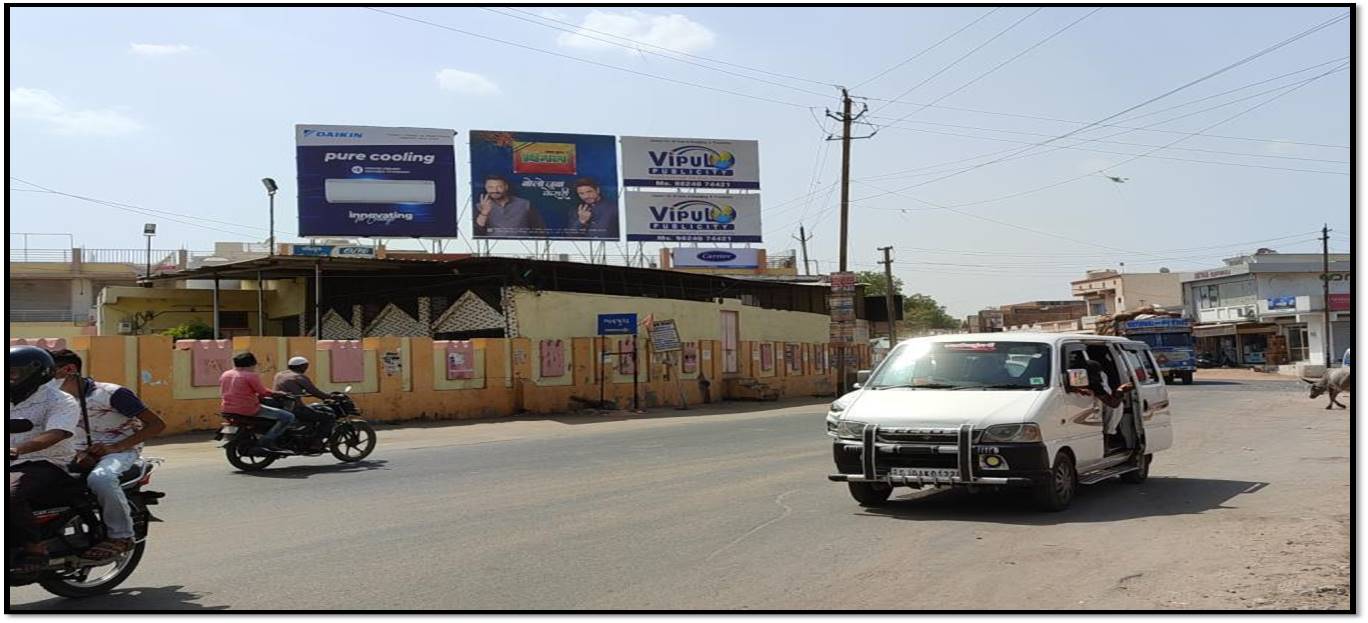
{"x": 997, "y": 132}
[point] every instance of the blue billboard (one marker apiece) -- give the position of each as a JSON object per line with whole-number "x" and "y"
{"x": 364, "y": 181}
{"x": 540, "y": 186}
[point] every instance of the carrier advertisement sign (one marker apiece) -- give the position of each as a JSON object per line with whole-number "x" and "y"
{"x": 692, "y": 217}
{"x": 366, "y": 181}
{"x": 539, "y": 186}
{"x": 690, "y": 162}
{"x": 716, "y": 258}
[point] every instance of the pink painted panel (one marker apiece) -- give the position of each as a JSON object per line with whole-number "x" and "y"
{"x": 45, "y": 343}
{"x": 552, "y": 358}
{"x": 690, "y": 363}
{"x": 208, "y": 360}
{"x": 626, "y": 362}
{"x": 347, "y": 360}
{"x": 460, "y": 359}
{"x": 767, "y": 356}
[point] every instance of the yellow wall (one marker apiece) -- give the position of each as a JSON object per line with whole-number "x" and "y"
{"x": 543, "y": 315}
{"x": 178, "y": 306}
{"x": 45, "y": 329}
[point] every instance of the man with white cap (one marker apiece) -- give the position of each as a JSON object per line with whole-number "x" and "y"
{"x": 293, "y": 380}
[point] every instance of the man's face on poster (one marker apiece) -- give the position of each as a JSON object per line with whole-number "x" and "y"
{"x": 588, "y": 194}
{"x": 496, "y": 189}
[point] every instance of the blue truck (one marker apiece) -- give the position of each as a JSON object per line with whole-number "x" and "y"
{"x": 1170, "y": 339}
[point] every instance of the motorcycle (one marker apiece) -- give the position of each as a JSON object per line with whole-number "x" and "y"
{"x": 69, "y": 520}
{"x": 334, "y": 425}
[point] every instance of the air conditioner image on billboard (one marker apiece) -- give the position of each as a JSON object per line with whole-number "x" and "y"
{"x": 379, "y": 191}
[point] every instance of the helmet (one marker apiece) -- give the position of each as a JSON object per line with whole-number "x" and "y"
{"x": 26, "y": 369}
{"x": 297, "y": 361}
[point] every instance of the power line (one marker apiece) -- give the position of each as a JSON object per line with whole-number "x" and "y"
{"x": 674, "y": 51}
{"x": 586, "y": 61}
{"x": 1003, "y": 63}
{"x": 927, "y": 49}
{"x": 171, "y": 216}
{"x": 967, "y": 54}
{"x": 636, "y": 46}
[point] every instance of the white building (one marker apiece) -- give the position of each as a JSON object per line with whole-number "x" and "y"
{"x": 1238, "y": 307}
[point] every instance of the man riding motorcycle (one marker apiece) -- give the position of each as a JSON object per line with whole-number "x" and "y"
{"x": 40, "y": 457}
{"x": 295, "y": 382}
{"x": 241, "y": 391}
{"x": 119, "y": 423}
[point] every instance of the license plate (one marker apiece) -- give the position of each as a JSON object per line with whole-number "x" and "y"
{"x": 924, "y": 472}
{"x": 228, "y": 430}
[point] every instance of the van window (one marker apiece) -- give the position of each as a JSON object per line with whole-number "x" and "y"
{"x": 1137, "y": 362}
{"x": 1148, "y": 361}
{"x": 965, "y": 365}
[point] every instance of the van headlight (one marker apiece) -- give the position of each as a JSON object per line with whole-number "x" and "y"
{"x": 849, "y": 429}
{"x": 1010, "y": 433}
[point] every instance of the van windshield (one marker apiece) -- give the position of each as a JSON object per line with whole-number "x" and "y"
{"x": 965, "y": 366}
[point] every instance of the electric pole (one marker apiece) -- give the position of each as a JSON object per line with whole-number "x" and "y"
{"x": 846, "y": 120}
{"x": 803, "y": 239}
{"x": 1325, "y": 291}
{"x": 888, "y": 296}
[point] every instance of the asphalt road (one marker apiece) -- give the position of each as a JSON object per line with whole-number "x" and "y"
{"x": 732, "y": 510}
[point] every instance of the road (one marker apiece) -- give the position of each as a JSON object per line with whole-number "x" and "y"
{"x": 732, "y": 510}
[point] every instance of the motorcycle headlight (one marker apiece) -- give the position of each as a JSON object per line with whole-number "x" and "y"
{"x": 1010, "y": 433}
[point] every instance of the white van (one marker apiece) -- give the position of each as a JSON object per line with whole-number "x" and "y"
{"x": 1001, "y": 409}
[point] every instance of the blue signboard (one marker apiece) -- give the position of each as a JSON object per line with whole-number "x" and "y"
{"x": 1282, "y": 302}
{"x": 1159, "y": 324}
{"x": 1174, "y": 358}
{"x": 362, "y": 181}
{"x": 617, "y": 324}
{"x": 312, "y": 250}
{"x": 539, "y": 186}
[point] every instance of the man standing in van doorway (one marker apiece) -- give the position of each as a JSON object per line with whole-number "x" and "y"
{"x": 1099, "y": 388}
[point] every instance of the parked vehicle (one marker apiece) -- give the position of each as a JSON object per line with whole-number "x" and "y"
{"x": 1168, "y": 334}
{"x": 336, "y": 427}
{"x": 70, "y": 521}
{"x": 963, "y": 411}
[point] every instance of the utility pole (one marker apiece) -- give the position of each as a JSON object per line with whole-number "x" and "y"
{"x": 1325, "y": 292}
{"x": 888, "y": 296}
{"x": 846, "y": 120}
{"x": 803, "y": 239}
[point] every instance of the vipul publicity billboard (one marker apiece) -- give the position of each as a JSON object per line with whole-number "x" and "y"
{"x": 543, "y": 186}
{"x": 378, "y": 182}
{"x": 692, "y": 217}
{"x": 690, "y": 162}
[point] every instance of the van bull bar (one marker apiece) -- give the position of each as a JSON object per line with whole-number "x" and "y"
{"x": 964, "y": 450}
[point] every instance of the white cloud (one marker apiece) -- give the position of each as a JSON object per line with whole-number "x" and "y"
{"x": 156, "y": 49}
{"x": 466, "y": 82}
{"x": 674, "y": 31}
{"x": 44, "y": 107}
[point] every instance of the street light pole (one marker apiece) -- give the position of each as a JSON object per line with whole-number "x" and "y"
{"x": 149, "y": 230}
{"x": 271, "y": 188}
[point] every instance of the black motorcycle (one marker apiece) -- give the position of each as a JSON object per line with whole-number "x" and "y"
{"x": 70, "y": 522}
{"x": 334, "y": 425}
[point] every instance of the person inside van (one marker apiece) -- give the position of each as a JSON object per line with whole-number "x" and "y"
{"x": 1099, "y": 388}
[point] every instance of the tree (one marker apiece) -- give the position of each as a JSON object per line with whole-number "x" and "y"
{"x": 192, "y": 330}
{"x": 921, "y": 313}
{"x": 876, "y": 282}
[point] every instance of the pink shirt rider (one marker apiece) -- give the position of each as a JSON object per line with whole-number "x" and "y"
{"x": 240, "y": 390}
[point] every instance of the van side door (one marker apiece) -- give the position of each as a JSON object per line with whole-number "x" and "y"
{"x": 1150, "y": 392}
{"x": 1080, "y": 420}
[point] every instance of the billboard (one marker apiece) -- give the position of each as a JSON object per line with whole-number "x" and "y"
{"x": 690, "y": 162}
{"x": 692, "y": 217}
{"x": 367, "y": 181}
{"x": 716, "y": 258}
{"x": 539, "y": 186}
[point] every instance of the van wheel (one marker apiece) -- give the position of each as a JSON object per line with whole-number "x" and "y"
{"x": 1140, "y": 475}
{"x": 870, "y": 493}
{"x": 1057, "y": 492}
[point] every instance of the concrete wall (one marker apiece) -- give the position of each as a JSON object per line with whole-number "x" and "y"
{"x": 172, "y": 306}
{"x": 547, "y": 314}
{"x": 47, "y": 329}
{"x": 404, "y": 379}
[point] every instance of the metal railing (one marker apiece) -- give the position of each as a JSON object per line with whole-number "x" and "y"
{"x": 47, "y": 315}
{"x": 57, "y": 256}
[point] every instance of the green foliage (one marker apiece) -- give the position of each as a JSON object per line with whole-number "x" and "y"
{"x": 192, "y": 330}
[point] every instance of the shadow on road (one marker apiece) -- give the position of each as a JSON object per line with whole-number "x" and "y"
{"x": 164, "y": 598}
{"x": 304, "y": 471}
{"x": 1103, "y": 502}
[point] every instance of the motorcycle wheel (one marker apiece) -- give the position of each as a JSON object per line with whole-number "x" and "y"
{"x": 92, "y": 581}
{"x": 352, "y": 441}
{"x": 239, "y": 457}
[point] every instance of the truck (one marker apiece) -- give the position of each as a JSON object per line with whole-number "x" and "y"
{"x": 1168, "y": 334}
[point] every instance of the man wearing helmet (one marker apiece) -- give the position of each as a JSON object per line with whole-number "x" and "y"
{"x": 39, "y": 458}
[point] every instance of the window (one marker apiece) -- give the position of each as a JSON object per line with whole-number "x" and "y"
{"x": 1298, "y": 346}
{"x": 955, "y": 365}
{"x": 1147, "y": 360}
{"x": 1133, "y": 361}
{"x": 1209, "y": 297}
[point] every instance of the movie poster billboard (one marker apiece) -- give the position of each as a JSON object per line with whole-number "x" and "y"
{"x": 543, "y": 186}
{"x": 690, "y": 162}
{"x": 692, "y": 217}
{"x": 365, "y": 181}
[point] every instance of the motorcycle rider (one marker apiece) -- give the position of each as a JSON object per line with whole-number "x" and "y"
{"x": 39, "y": 458}
{"x": 295, "y": 382}
{"x": 119, "y": 424}
{"x": 240, "y": 391}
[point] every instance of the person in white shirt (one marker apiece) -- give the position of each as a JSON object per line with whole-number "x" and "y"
{"x": 39, "y": 458}
{"x": 119, "y": 423}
